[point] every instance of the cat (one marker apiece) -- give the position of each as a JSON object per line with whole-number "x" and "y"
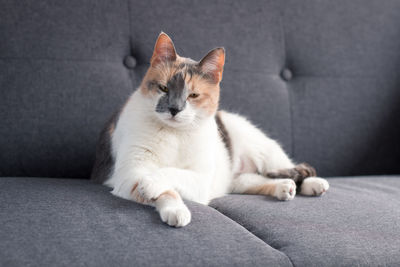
{"x": 169, "y": 142}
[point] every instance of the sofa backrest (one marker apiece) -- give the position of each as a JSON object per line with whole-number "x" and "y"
{"x": 322, "y": 77}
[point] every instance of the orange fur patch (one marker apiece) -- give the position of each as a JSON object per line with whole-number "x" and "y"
{"x": 220, "y": 64}
{"x": 138, "y": 197}
{"x": 265, "y": 189}
{"x": 208, "y": 94}
{"x": 171, "y": 194}
{"x": 160, "y": 73}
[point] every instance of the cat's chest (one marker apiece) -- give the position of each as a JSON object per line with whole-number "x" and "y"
{"x": 182, "y": 150}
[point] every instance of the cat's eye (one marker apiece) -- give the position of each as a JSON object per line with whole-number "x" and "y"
{"x": 163, "y": 88}
{"x": 193, "y": 95}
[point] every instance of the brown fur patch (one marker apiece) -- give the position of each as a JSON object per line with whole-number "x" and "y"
{"x": 223, "y": 132}
{"x": 136, "y": 196}
{"x": 265, "y": 189}
{"x": 134, "y": 187}
{"x": 111, "y": 129}
{"x": 297, "y": 174}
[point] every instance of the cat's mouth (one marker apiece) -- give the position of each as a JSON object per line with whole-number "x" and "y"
{"x": 175, "y": 122}
{"x": 174, "y": 119}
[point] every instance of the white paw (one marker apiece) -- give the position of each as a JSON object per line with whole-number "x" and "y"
{"x": 285, "y": 189}
{"x": 314, "y": 186}
{"x": 177, "y": 216}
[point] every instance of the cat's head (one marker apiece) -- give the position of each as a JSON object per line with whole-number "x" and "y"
{"x": 182, "y": 92}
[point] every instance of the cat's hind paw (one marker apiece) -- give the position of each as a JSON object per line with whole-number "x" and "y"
{"x": 285, "y": 189}
{"x": 177, "y": 216}
{"x": 314, "y": 186}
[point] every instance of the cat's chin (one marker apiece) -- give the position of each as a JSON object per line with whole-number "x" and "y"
{"x": 175, "y": 123}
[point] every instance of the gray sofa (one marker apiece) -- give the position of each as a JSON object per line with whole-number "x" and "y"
{"x": 320, "y": 76}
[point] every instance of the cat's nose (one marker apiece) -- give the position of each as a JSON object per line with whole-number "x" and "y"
{"x": 174, "y": 111}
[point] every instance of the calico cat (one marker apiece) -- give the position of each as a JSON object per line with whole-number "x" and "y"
{"x": 169, "y": 142}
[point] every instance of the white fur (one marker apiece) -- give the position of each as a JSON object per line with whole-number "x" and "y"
{"x": 186, "y": 154}
{"x": 314, "y": 186}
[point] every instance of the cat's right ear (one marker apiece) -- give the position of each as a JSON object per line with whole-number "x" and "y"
{"x": 164, "y": 50}
{"x": 213, "y": 64}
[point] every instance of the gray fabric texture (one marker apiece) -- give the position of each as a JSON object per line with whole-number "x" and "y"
{"x": 71, "y": 222}
{"x": 336, "y": 106}
{"x": 61, "y": 76}
{"x": 355, "y": 224}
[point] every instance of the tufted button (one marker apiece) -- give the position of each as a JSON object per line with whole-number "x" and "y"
{"x": 286, "y": 74}
{"x": 130, "y": 62}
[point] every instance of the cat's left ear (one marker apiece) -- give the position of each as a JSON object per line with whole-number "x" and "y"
{"x": 164, "y": 50}
{"x": 213, "y": 64}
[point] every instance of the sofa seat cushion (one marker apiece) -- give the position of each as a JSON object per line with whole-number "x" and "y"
{"x": 356, "y": 223}
{"x": 69, "y": 222}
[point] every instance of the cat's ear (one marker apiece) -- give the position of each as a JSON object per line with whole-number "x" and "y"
{"x": 213, "y": 64}
{"x": 164, "y": 50}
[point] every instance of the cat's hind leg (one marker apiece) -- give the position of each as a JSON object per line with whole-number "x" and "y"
{"x": 255, "y": 184}
{"x": 255, "y": 152}
{"x": 314, "y": 186}
{"x": 305, "y": 178}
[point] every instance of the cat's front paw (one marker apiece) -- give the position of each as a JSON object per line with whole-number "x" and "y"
{"x": 314, "y": 186}
{"x": 148, "y": 189}
{"x": 177, "y": 216}
{"x": 285, "y": 189}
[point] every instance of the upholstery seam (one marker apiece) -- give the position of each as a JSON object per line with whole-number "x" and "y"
{"x": 293, "y": 147}
{"x": 62, "y": 59}
{"x": 129, "y": 26}
{"x": 342, "y": 76}
{"x": 130, "y": 40}
{"x": 287, "y": 86}
{"x": 250, "y": 232}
